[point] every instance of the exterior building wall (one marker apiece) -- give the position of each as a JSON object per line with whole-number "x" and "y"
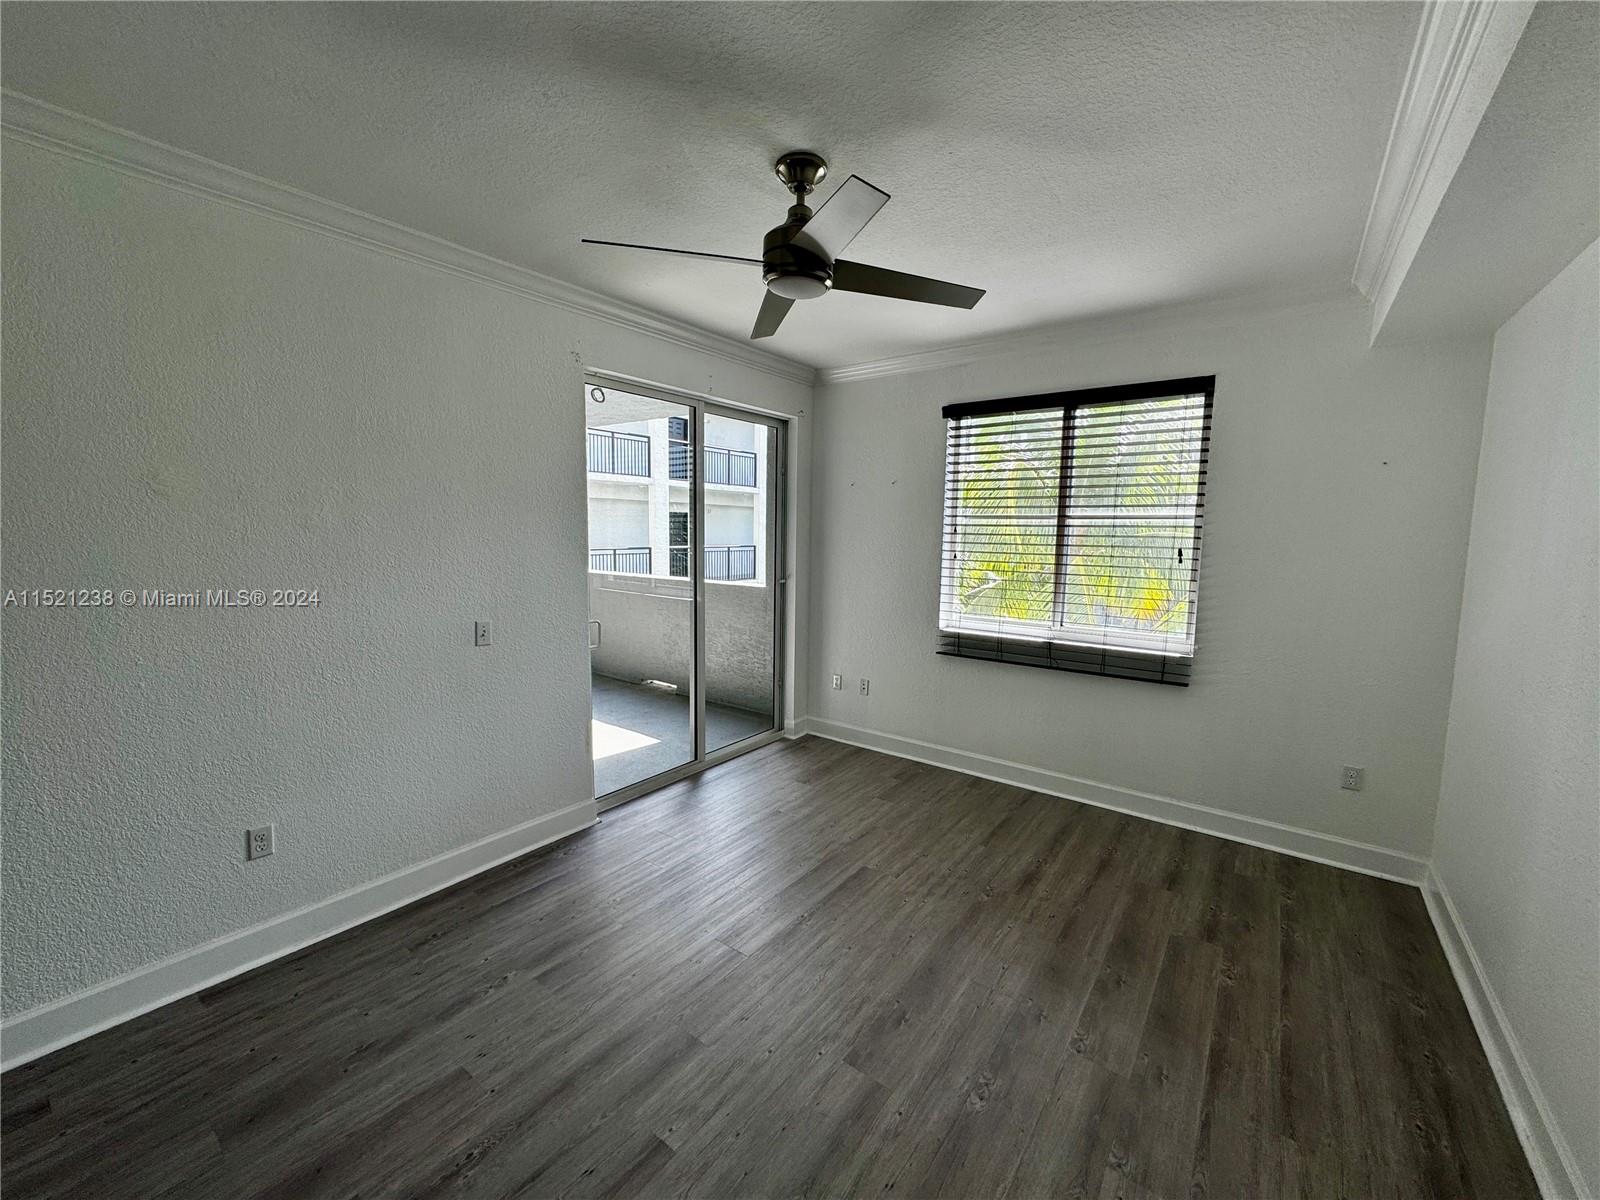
{"x": 619, "y": 520}
{"x": 635, "y": 510}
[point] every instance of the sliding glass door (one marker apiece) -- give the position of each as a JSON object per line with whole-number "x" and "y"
{"x": 685, "y": 583}
{"x": 641, "y": 601}
{"x": 740, "y": 578}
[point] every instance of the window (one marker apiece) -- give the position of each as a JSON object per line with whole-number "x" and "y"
{"x": 678, "y": 544}
{"x": 1072, "y": 529}
{"x": 678, "y": 456}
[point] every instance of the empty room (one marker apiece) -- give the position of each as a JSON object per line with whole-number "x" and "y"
{"x": 747, "y": 600}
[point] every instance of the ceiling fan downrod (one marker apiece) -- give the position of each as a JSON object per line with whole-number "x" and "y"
{"x": 790, "y": 270}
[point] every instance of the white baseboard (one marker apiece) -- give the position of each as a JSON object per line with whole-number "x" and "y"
{"x": 1551, "y": 1158}
{"x": 72, "y": 1018}
{"x": 1254, "y": 831}
{"x": 797, "y": 728}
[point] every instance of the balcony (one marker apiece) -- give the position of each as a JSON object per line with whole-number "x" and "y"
{"x": 731, "y": 468}
{"x": 730, "y": 563}
{"x": 639, "y": 731}
{"x": 612, "y": 453}
{"x": 724, "y": 564}
{"x": 735, "y": 468}
{"x": 630, "y": 560}
{"x": 642, "y": 667}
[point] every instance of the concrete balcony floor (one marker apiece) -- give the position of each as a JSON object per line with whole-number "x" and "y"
{"x": 640, "y": 731}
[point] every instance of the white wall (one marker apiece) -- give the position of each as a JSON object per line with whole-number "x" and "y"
{"x": 200, "y": 395}
{"x": 1517, "y": 846}
{"x": 732, "y": 435}
{"x": 731, "y": 518}
{"x": 618, "y": 521}
{"x": 1336, "y": 531}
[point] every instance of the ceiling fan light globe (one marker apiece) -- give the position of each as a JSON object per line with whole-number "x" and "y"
{"x": 797, "y": 287}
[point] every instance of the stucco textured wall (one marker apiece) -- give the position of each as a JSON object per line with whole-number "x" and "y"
{"x": 201, "y": 396}
{"x": 1335, "y": 541}
{"x": 648, "y": 633}
{"x": 1518, "y": 839}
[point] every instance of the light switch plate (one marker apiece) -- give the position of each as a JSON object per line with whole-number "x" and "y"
{"x": 480, "y": 633}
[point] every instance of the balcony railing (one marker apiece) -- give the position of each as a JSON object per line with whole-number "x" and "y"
{"x": 736, "y": 468}
{"x": 630, "y": 560}
{"x": 730, "y": 562}
{"x": 726, "y": 564}
{"x": 612, "y": 453}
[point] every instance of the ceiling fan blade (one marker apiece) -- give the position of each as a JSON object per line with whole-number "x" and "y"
{"x": 733, "y": 258}
{"x": 843, "y": 215}
{"x": 879, "y": 281}
{"x": 773, "y": 309}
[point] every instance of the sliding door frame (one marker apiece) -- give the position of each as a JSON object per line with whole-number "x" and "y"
{"x": 777, "y": 570}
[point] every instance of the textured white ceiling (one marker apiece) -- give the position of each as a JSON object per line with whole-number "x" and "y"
{"x": 1074, "y": 159}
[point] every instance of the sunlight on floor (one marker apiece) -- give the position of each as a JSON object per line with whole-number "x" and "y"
{"x": 613, "y": 739}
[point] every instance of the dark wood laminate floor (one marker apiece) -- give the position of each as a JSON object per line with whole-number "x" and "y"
{"x": 814, "y": 971}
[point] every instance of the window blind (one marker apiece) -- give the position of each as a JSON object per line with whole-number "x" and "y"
{"x": 1072, "y": 529}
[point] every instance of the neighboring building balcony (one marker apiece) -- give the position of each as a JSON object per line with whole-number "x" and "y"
{"x": 733, "y": 468}
{"x": 630, "y": 560}
{"x": 724, "y": 564}
{"x": 730, "y": 468}
{"x": 730, "y": 563}
{"x": 613, "y": 453}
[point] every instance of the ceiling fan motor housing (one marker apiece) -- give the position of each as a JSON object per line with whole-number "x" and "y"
{"x": 792, "y": 271}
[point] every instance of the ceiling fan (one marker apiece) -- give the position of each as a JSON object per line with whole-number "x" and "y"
{"x": 800, "y": 258}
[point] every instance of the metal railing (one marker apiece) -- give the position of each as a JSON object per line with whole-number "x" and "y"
{"x": 730, "y": 562}
{"x": 612, "y": 453}
{"x": 734, "y": 467}
{"x": 724, "y": 564}
{"x": 628, "y": 560}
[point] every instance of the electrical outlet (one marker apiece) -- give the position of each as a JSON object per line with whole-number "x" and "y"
{"x": 865, "y": 684}
{"x": 480, "y": 633}
{"x": 1353, "y": 778}
{"x": 838, "y": 682}
{"x": 259, "y": 843}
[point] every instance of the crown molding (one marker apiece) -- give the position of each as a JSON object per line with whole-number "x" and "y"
{"x": 1080, "y": 330}
{"x": 61, "y": 131}
{"x": 1461, "y": 51}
